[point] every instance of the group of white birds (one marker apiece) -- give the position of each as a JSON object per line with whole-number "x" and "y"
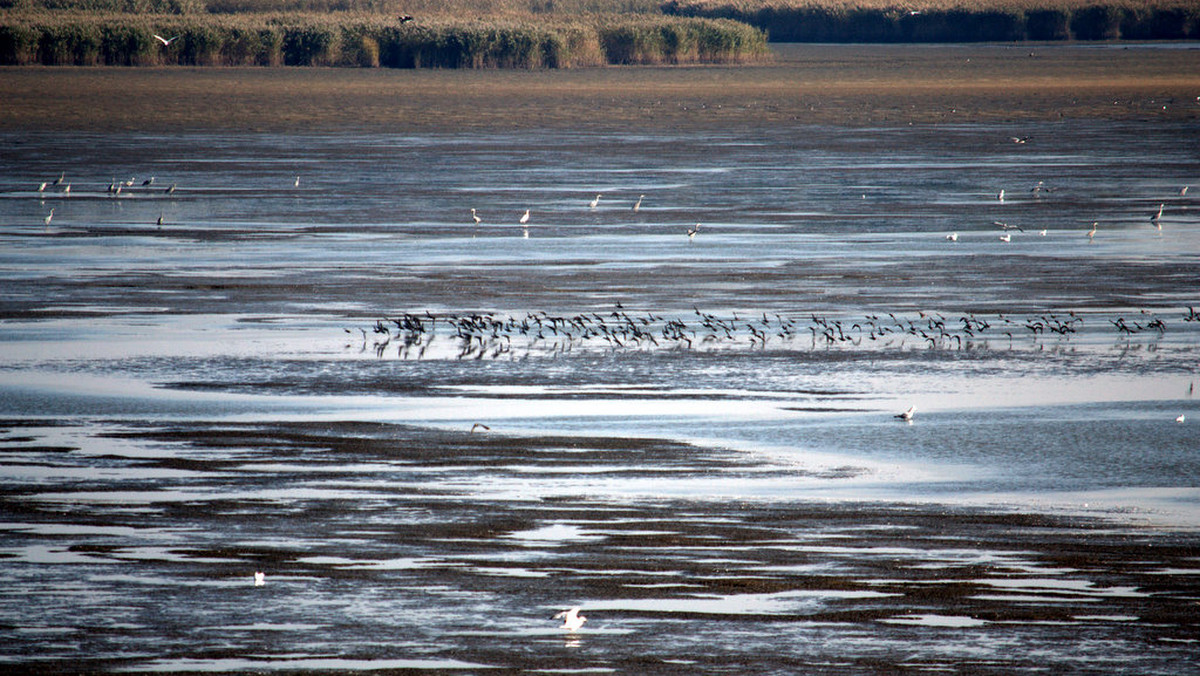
{"x": 1037, "y": 190}
{"x": 523, "y": 221}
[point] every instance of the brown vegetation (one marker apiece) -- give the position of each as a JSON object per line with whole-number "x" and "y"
{"x": 955, "y": 20}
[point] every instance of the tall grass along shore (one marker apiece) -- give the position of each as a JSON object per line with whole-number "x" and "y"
{"x": 955, "y": 20}
{"x": 370, "y": 39}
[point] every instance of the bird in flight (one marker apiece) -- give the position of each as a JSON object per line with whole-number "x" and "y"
{"x": 572, "y": 620}
{"x": 166, "y": 41}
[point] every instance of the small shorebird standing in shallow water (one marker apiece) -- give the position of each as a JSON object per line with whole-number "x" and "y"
{"x": 572, "y": 620}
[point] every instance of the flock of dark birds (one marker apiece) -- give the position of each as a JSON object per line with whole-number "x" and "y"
{"x": 491, "y": 335}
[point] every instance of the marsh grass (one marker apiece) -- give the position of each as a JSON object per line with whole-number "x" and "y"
{"x": 371, "y": 40}
{"x": 955, "y": 20}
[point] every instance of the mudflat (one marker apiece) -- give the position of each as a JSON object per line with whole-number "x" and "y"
{"x": 818, "y": 84}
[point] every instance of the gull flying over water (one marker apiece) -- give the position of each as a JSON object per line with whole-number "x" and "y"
{"x": 571, "y": 618}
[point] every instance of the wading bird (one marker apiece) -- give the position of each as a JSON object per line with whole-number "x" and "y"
{"x": 595, "y": 203}
{"x": 525, "y": 218}
{"x": 638, "y": 204}
{"x": 42, "y": 187}
{"x": 1000, "y": 196}
{"x": 166, "y": 41}
{"x": 1005, "y": 238}
{"x": 475, "y": 217}
{"x": 260, "y": 578}
{"x": 160, "y": 219}
{"x": 953, "y": 237}
{"x": 148, "y": 181}
{"x": 572, "y": 620}
{"x": 1157, "y": 215}
{"x": 1181, "y": 418}
{"x": 61, "y": 177}
{"x": 1092, "y": 233}
{"x": 49, "y": 217}
{"x": 907, "y": 416}
{"x": 296, "y": 184}
{"x": 691, "y": 233}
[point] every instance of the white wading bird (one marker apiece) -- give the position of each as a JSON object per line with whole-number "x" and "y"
{"x": 907, "y": 416}
{"x": 572, "y": 620}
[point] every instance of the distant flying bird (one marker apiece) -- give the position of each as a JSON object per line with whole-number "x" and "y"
{"x": 572, "y": 620}
{"x": 1005, "y": 226}
{"x": 907, "y": 416}
{"x": 638, "y": 205}
{"x": 480, "y": 426}
{"x": 595, "y": 202}
{"x": 1018, "y": 139}
{"x": 165, "y": 41}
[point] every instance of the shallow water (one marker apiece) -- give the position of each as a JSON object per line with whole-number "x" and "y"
{"x": 185, "y": 404}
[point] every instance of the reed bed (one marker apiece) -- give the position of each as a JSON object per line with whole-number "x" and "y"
{"x": 370, "y": 40}
{"x": 955, "y": 20}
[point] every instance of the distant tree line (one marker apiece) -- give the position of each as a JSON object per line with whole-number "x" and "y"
{"x": 986, "y": 21}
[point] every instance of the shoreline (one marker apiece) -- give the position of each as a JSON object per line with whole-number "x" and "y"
{"x": 855, "y": 85}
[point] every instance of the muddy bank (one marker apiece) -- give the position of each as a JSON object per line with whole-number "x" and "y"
{"x": 828, "y": 84}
